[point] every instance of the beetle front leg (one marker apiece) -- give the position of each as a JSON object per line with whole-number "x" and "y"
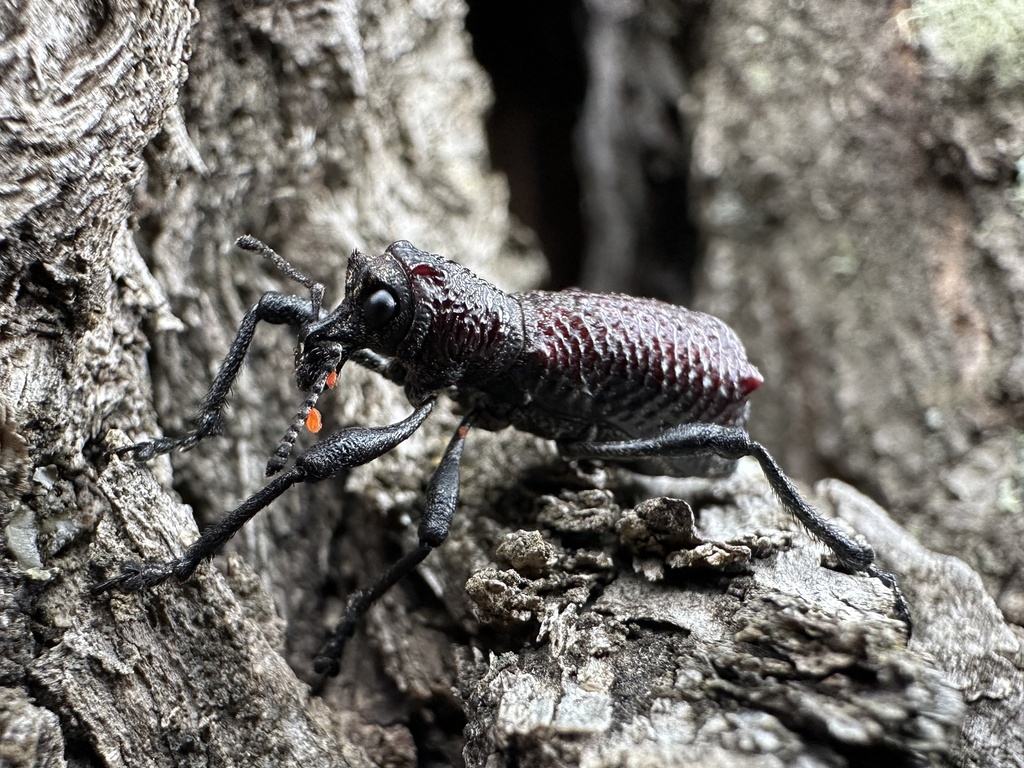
{"x": 351, "y": 447}
{"x": 135, "y": 577}
{"x": 275, "y": 308}
{"x": 442, "y": 499}
{"x": 733, "y": 443}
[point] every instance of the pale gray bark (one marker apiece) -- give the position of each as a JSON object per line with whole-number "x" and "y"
{"x": 856, "y": 176}
{"x": 554, "y": 628}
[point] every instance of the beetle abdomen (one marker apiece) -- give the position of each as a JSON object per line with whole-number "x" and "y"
{"x": 607, "y": 366}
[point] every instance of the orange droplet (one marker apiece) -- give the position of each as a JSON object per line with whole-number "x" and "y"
{"x": 332, "y": 378}
{"x": 313, "y": 420}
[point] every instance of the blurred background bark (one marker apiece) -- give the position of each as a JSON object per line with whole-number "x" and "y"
{"x": 840, "y": 182}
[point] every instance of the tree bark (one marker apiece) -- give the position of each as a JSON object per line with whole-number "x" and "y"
{"x": 574, "y": 617}
{"x": 855, "y": 176}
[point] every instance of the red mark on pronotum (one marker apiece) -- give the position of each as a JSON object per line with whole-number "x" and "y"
{"x": 424, "y": 270}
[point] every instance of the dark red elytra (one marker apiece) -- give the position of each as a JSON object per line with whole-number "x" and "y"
{"x": 747, "y": 384}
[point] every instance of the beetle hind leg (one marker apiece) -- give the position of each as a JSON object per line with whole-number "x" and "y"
{"x": 733, "y": 443}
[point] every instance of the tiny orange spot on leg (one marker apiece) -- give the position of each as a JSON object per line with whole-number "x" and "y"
{"x": 313, "y": 420}
{"x": 332, "y": 378}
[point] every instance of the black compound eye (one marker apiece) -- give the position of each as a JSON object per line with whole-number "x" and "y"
{"x": 378, "y": 308}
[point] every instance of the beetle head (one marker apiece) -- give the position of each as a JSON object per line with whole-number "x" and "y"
{"x": 375, "y": 314}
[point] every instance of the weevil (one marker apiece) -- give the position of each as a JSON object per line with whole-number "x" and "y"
{"x": 652, "y": 386}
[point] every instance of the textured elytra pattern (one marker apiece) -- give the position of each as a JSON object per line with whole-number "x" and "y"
{"x": 629, "y": 367}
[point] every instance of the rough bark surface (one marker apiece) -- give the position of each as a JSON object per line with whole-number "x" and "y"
{"x": 877, "y": 188}
{"x": 573, "y": 618}
{"x": 855, "y": 174}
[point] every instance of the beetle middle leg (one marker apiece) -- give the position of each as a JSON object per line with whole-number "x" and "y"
{"x": 442, "y": 498}
{"x": 733, "y": 443}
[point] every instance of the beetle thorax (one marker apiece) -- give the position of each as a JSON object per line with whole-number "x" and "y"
{"x": 464, "y": 330}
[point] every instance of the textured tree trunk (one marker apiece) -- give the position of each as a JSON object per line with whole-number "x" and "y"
{"x": 574, "y": 617}
{"x": 855, "y": 175}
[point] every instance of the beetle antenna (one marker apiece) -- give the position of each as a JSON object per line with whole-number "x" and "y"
{"x": 316, "y": 290}
{"x": 280, "y": 455}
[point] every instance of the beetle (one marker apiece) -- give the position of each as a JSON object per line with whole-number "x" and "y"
{"x": 652, "y": 386}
